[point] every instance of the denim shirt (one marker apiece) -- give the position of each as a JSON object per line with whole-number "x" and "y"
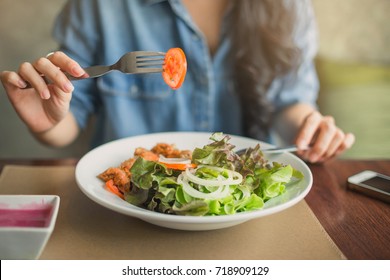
{"x": 98, "y": 32}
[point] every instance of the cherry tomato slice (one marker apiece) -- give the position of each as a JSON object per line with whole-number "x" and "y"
{"x": 174, "y": 67}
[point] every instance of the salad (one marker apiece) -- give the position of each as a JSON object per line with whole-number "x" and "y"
{"x": 212, "y": 180}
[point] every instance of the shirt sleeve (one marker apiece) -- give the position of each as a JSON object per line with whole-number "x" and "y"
{"x": 76, "y": 32}
{"x": 301, "y": 85}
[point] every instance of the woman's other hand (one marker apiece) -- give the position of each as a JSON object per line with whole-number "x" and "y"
{"x": 324, "y": 138}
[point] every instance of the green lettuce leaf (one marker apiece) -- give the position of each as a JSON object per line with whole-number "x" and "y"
{"x": 193, "y": 208}
{"x": 218, "y": 153}
{"x": 152, "y": 185}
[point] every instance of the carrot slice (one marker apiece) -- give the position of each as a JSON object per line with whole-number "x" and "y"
{"x": 174, "y": 67}
{"x": 178, "y": 166}
{"x": 114, "y": 189}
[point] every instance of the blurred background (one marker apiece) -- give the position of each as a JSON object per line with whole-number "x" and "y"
{"x": 353, "y": 65}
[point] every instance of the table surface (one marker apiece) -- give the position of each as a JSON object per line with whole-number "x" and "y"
{"x": 359, "y": 225}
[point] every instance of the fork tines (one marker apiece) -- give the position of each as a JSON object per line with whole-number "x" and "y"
{"x": 147, "y": 60}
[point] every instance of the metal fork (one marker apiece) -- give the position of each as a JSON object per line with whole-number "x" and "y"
{"x": 138, "y": 62}
{"x": 275, "y": 150}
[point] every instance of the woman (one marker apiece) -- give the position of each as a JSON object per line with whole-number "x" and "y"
{"x": 250, "y": 72}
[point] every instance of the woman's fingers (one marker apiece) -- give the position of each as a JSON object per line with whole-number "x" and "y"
{"x": 53, "y": 73}
{"x": 334, "y": 145}
{"x": 30, "y": 75}
{"x": 66, "y": 64}
{"x": 349, "y": 140}
{"x": 46, "y": 70}
{"x": 308, "y": 129}
{"x": 325, "y": 134}
{"x": 324, "y": 137}
{"x": 12, "y": 78}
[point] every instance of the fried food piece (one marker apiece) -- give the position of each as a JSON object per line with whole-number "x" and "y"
{"x": 146, "y": 154}
{"x": 119, "y": 176}
{"x": 170, "y": 151}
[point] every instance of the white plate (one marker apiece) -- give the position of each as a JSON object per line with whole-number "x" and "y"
{"x": 113, "y": 153}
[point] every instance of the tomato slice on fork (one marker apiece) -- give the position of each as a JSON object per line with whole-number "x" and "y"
{"x": 174, "y": 67}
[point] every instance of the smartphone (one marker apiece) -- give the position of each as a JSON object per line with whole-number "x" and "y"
{"x": 372, "y": 184}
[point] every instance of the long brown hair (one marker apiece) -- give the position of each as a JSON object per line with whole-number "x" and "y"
{"x": 262, "y": 49}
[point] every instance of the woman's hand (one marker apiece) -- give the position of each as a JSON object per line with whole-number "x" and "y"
{"x": 323, "y": 137}
{"x": 40, "y": 106}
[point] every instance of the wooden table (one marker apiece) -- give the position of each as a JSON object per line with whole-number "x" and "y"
{"x": 359, "y": 225}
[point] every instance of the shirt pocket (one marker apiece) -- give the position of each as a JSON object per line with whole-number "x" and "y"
{"x": 138, "y": 87}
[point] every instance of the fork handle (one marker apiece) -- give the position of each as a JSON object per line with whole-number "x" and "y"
{"x": 92, "y": 72}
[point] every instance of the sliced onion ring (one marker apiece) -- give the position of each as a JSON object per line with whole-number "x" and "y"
{"x": 234, "y": 178}
{"x": 221, "y": 192}
{"x": 174, "y": 160}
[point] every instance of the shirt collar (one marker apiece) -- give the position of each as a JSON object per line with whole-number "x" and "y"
{"x": 177, "y": 8}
